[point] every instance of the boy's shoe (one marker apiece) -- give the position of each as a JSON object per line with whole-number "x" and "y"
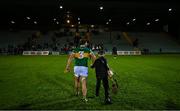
{"x": 108, "y": 101}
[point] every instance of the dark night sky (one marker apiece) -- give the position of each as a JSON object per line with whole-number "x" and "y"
{"x": 120, "y": 11}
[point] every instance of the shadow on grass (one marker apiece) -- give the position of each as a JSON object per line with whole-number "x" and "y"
{"x": 171, "y": 105}
{"x": 61, "y": 103}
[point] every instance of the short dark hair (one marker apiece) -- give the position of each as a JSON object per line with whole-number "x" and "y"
{"x": 101, "y": 52}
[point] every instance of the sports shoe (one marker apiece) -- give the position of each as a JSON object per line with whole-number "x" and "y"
{"x": 84, "y": 100}
{"x": 108, "y": 101}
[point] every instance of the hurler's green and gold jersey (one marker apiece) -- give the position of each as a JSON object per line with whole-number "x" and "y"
{"x": 81, "y": 56}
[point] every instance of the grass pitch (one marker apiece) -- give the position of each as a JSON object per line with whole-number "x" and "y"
{"x": 38, "y": 82}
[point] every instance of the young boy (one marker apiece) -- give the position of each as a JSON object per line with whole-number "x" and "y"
{"x": 102, "y": 69}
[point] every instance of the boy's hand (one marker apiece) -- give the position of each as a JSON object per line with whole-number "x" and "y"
{"x": 91, "y": 66}
{"x": 110, "y": 74}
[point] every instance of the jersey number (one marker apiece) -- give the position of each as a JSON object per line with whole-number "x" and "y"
{"x": 81, "y": 54}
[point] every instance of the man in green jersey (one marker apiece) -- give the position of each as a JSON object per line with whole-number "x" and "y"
{"x": 80, "y": 56}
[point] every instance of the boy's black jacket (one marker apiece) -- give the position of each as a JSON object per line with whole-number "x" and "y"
{"x": 101, "y": 67}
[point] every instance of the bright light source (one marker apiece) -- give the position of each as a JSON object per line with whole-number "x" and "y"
{"x": 12, "y": 22}
{"x": 35, "y": 22}
{"x": 54, "y": 19}
{"x": 79, "y": 22}
{"x": 57, "y": 23}
{"x": 61, "y": 7}
{"x": 101, "y": 8}
{"x": 107, "y": 23}
{"x": 79, "y": 18}
{"x": 157, "y": 20}
{"x": 170, "y": 9}
{"x": 127, "y": 23}
{"x": 28, "y": 18}
{"x": 68, "y": 21}
{"x": 134, "y": 19}
{"x": 109, "y": 20}
{"x": 92, "y": 26}
{"x": 148, "y": 23}
{"x": 72, "y": 25}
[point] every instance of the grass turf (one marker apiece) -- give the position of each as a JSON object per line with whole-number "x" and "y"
{"x": 38, "y": 82}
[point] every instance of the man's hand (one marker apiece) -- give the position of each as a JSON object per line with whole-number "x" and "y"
{"x": 67, "y": 69}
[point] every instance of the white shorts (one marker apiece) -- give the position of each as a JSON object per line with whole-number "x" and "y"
{"x": 80, "y": 71}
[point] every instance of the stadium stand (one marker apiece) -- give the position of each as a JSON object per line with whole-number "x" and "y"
{"x": 112, "y": 39}
{"x": 62, "y": 42}
{"x": 155, "y": 42}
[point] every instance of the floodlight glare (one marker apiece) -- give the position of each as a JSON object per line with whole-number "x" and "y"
{"x": 61, "y": 7}
{"x": 68, "y": 21}
{"x": 101, "y": 8}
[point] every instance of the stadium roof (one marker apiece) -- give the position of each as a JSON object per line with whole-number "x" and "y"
{"x": 120, "y": 12}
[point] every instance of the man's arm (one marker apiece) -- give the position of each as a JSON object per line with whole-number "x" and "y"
{"x": 93, "y": 57}
{"x": 71, "y": 57}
